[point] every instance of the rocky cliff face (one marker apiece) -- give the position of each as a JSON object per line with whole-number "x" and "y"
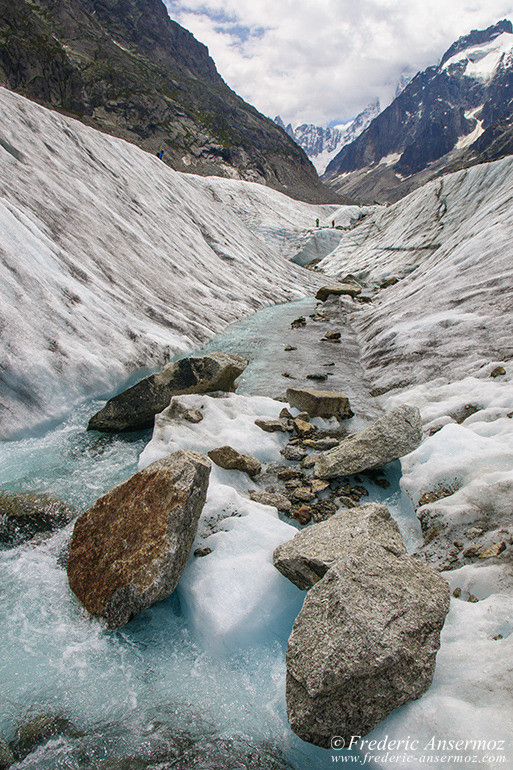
{"x": 124, "y": 67}
{"x": 448, "y": 116}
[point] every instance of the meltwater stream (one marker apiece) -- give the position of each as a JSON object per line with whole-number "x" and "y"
{"x": 151, "y": 693}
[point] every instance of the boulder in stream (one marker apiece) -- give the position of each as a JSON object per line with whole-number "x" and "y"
{"x": 364, "y": 643}
{"x": 136, "y": 407}
{"x": 25, "y": 514}
{"x": 394, "y": 435}
{"x": 6, "y": 756}
{"x": 306, "y": 558}
{"x": 129, "y": 550}
{"x": 338, "y": 290}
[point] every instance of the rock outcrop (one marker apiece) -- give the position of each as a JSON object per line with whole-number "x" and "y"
{"x": 306, "y": 558}
{"x": 25, "y": 514}
{"x": 364, "y": 643}
{"x": 338, "y": 290}
{"x": 136, "y": 407}
{"x": 230, "y": 459}
{"x": 320, "y": 403}
{"x": 394, "y": 435}
{"x": 129, "y": 550}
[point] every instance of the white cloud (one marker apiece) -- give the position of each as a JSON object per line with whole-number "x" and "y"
{"x": 316, "y": 60}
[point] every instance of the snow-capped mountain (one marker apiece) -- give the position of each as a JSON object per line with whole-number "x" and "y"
{"x": 112, "y": 262}
{"x": 433, "y": 124}
{"x": 322, "y": 144}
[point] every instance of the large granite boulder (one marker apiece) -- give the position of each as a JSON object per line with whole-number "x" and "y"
{"x": 395, "y": 434}
{"x": 25, "y": 514}
{"x": 320, "y": 403}
{"x": 136, "y": 407}
{"x": 338, "y": 290}
{"x": 364, "y": 643}
{"x": 306, "y": 558}
{"x": 129, "y": 550}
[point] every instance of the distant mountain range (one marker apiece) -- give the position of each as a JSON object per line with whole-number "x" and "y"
{"x": 323, "y": 144}
{"x": 452, "y": 115}
{"x": 125, "y": 68}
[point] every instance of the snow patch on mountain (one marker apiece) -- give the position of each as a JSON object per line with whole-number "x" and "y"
{"x": 323, "y": 144}
{"x": 481, "y": 61}
{"x": 110, "y": 262}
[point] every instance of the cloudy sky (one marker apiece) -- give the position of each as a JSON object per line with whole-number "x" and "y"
{"x": 319, "y": 61}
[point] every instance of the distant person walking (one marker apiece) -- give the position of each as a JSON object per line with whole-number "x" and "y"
{"x": 317, "y": 222}
{"x": 333, "y": 223}
{"x": 160, "y": 154}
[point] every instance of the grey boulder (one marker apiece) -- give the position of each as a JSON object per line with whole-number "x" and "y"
{"x": 129, "y": 550}
{"x": 363, "y": 644}
{"x": 338, "y": 290}
{"x": 320, "y": 403}
{"x": 306, "y": 558}
{"x": 394, "y": 435}
{"x": 136, "y": 407}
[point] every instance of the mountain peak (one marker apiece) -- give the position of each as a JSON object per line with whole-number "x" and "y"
{"x": 477, "y": 37}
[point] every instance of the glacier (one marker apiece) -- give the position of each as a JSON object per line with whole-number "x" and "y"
{"x": 111, "y": 263}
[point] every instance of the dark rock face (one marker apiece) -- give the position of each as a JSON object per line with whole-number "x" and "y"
{"x": 422, "y": 126}
{"x": 136, "y": 407}
{"x": 38, "y": 730}
{"x": 363, "y": 644}
{"x": 129, "y": 550}
{"x": 24, "y": 514}
{"x": 127, "y": 69}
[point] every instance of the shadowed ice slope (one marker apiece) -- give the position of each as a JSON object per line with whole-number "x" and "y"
{"x": 110, "y": 261}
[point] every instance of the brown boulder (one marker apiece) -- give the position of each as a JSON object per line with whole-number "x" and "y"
{"x": 227, "y": 457}
{"x": 338, "y": 290}
{"x": 320, "y": 403}
{"x": 129, "y": 550}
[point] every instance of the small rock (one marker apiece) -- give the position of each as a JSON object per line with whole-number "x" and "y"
{"x": 285, "y": 414}
{"x": 308, "y": 461}
{"x": 319, "y": 376}
{"x": 303, "y": 428}
{"x": 204, "y": 551}
{"x": 287, "y": 375}
{"x": 178, "y": 410}
{"x": 492, "y": 550}
{"x": 288, "y": 348}
{"x": 229, "y": 458}
{"x": 323, "y": 510}
{"x": 321, "y": 443}
{"x": 456, "y": 593}
{"x": 474, "y": 532}
{"x": 298, "y": 323}
{"x": 272, "y": 426}
{"x": 496, "y": 638}
{"x": 332, "y": 336}
{"x": 388, "y": 282}
{"x": 303, "y": 494}
{"x": 499, "y": 371}
{"x": 319, "y": 485}
{"x": 337, "y": 290}
{"x": 458, "y": 544}
{"x": 472, "y": 599}
{"x": 320, "y": 403}
{"x": 290, "y": 473}
{"x": 274, "y": 499}
{"x": 302, "y": 514}
{"x": 357, "y": 492}
{"x": 294, "y": 483}
{"x": 302, "y": 416}
{"x": 348, "y": 502}
{"x": 472, "y": 552}
{"x": 294, "y": 453}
